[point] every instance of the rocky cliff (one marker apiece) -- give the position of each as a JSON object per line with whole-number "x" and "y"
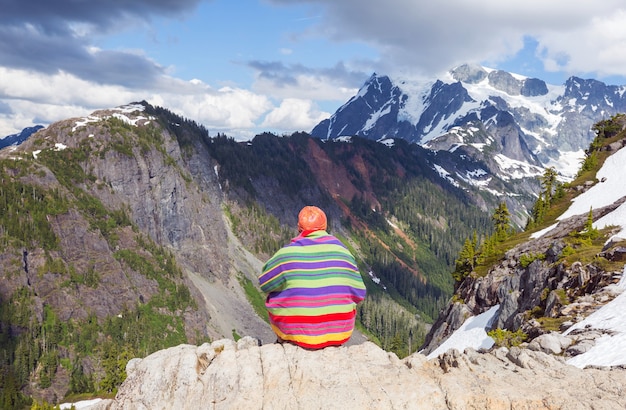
{"x": 119, "y": 162}
{"x": 243, "y": 375}
{"x": 549, "y": 281}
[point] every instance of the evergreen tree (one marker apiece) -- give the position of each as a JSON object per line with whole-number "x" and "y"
{"x": 548, "y": 183}
{"x": 589, "y": 232}
{"x": 551, "y": 189}
{"x": 466, "y": 261}
{"x": 501, "y": 219}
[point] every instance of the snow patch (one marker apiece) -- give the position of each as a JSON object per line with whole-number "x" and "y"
{"x": 84, "y": 121}
{"x": 376, "y": 279}
{"x": 445, "y": 175}
{"x": 123, "y": 113}
{"x": 608, "y": 350}
{"x": 516, "y": 169}
{"x": 604, "y": 193}
{"x": 567, "y": 164}
{"x": 344, "y": 138}
{"x": 84, "y": 404}
{"x": 471, "y": 334}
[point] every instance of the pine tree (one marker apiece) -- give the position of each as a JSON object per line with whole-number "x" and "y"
{"x": 466, "y": 261}
{"x": 589, "y": 232}
{"x": 548, "y": 183}
{"x": 501, "y": 219}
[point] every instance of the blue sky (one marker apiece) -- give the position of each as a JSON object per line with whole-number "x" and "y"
{"x": 279, "y": 65}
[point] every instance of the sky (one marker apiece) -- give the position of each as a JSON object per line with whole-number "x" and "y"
{"x": 245, "y": 67}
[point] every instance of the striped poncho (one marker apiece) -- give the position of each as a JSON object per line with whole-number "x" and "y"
{"x": 313, "y": 286}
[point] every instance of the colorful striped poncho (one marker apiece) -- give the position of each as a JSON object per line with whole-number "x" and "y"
{"x": 313, "y": 287}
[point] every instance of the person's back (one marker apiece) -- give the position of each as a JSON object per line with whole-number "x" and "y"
{"x": 313, "y": 286}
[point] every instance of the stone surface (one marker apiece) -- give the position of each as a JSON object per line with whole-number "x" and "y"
{"x": 243, "y": 375}
{"x": 551, "y": 343}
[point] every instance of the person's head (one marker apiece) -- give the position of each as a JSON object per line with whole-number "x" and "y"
{"x": 311, "y": 218}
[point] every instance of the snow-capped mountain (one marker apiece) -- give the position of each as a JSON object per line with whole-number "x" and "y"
{"x": 17, "y": 139}
{"x": 494, "y": 131}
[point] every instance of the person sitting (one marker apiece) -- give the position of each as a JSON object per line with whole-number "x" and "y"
{"x": 313, "y": 286}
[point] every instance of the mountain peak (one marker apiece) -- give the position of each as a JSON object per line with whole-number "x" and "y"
{"x": 522, "y": 121}
{"x": 469, "y": 73}
{"x": 17, "y": 139}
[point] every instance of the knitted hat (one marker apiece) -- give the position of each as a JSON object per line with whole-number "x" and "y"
{"x": 311, "y": 218}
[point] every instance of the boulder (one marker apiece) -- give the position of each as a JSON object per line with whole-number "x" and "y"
{"x": 551, "y": 343}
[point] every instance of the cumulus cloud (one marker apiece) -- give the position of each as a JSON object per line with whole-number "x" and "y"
{"x": 50, "y": 67}
{"x": 294, "y": 114}
{"x": 51, "y": 70}
{"x": 28, "y": 98}
{"x": 55, "y": 35}
{"x": 225, "y": 109}
{"x": 596, "y": 46}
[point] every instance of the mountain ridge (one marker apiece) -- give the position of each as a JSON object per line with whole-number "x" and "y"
{"x": 17, "y": 139}
{"x": 511, "y": 127}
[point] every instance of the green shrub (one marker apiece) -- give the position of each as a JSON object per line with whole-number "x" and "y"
{"x": 528, "y": 258}
{"x": 567, "y": 251}
{"x": 507, "y": 338}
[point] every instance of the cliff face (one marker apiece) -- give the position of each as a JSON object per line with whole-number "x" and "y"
{"x": 243, "y": 375}
{"x": 120, "y": 162}
{"x": 113, "y": 241}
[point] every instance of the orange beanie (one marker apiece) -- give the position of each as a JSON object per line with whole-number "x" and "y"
{"x": 311, "y": 218}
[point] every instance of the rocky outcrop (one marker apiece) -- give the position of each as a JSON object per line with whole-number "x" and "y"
{"x": 243, "y": 375}
{"x": 520, "y": 288}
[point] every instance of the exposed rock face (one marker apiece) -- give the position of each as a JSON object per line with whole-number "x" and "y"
{"x": 243, "y": 375}
{"x": 171, "y": 196}
{"x": 501, "y": 80}
{"x": 533, "y": 87}
{"x": 518, "y": 289}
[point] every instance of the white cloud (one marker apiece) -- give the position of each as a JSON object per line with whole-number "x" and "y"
{"x": 305, "y": 86}
{"x": 57, "y": 89}
{"x": 294, "y": 114}
{"x": 597, "y": 46}
{"x": 34, "y": 98}
{"x": 228, "y": 108}
{"x": 79, "y": 75}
